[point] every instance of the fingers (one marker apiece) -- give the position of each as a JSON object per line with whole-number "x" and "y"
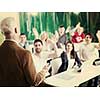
{"x": 98, "y": 33}
{"x": 46, "y": 66}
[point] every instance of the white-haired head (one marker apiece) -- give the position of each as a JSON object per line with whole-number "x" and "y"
{"x": 8, "y": 24}
{"x": 8, "y": 27}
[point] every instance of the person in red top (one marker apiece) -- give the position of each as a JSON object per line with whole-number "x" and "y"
{"x": 78, "y": 36}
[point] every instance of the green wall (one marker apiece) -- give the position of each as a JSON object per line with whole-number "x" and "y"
{"x": 50, "y": 21}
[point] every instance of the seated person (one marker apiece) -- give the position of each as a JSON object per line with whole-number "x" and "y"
{"x": 88, "y": 49}
{"x": 40, "y": 57}
{"x": 78, "y": 36}
{"x": 23, "y": 41}
{"x": 62, "y": 36}
{"x": 71, "y": 30}
{"x": 69, "y": 58}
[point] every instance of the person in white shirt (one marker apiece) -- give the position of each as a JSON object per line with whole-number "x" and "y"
{"x": 47, "y": 42}
{"x": 88, "y": 49}
{"x": 40, "y": 57}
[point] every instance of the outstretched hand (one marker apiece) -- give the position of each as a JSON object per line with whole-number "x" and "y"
{"x": 78, "y": 25}
{"x": 68, "y": 29}
{"x": 35, "y": 32}
{"x": 98, "y": 34}
{"x": 46, "y": 68}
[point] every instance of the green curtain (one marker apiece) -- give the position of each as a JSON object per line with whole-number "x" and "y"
{"x": 50, "y": 21}
{"x": 94, "y": 23}
{"x": 23, "y": 22}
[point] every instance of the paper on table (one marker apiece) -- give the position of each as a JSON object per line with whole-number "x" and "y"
{"x": 66, "y": 76}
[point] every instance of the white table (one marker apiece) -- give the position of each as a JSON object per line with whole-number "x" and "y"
{"x": 72, "y": 78}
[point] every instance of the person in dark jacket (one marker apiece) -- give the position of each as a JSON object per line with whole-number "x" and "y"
{"x": 23, "y": 41}
{"x": 69, "y": 58}
{"x": 62, "y": 36}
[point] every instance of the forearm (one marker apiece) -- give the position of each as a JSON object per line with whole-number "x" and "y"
{"x": 40, "y": 77}
{"x": 98, "y": 37}
{"x": 35, "y": 32}
{"x": 55, "y": 50}
{"x": 36, "y": 36}
{"x": 99, "y": 42}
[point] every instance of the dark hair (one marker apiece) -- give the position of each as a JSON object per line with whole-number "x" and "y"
{"x": 91, "y": 36}
{"x": 61, "y": 26}
{"x": 38, "y": 40}
{"x": 23, "y": 34}
{"x": 73, "y": 53}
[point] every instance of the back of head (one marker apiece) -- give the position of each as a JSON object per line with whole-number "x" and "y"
{"x": 8, "y": 25}
{"x": 9, "y": 28}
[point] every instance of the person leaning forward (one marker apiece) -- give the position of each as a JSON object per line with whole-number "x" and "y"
{"x": 16, "y": 64}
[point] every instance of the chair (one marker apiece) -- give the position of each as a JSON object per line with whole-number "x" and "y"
{"x": 56, "y": 63}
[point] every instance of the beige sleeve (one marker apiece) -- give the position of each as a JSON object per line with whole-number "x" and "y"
{"x": 33, "y": 78}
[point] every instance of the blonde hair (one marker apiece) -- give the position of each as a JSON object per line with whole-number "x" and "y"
{"x": 8, "y": 24}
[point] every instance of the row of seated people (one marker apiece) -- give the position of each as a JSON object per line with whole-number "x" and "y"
{"x": 65, "y": 57}
{"x": 85, "y": 50}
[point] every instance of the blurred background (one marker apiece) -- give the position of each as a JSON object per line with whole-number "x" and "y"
{"x": 50, "y": 21}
